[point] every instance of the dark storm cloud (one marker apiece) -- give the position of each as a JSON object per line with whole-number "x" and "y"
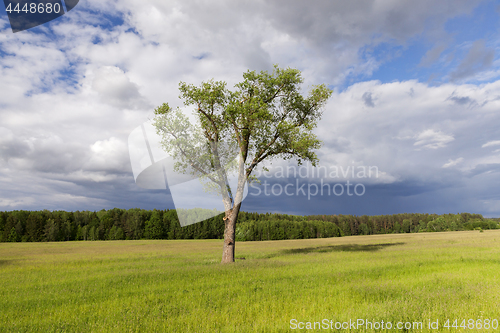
{"x": 408, "y": 196}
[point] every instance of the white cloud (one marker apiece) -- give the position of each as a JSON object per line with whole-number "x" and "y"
{"x": 432, "y": 139}
{"x": 491, "y": 143}
{"x": 412, "y": 130}
{"x": 108, "y": 155}
{"x": 13, "y": 203}
{"x": 116, "y": 89}
{"x": 452, "y": 163}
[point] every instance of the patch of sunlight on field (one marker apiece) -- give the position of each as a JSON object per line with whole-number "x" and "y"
{"x": 179, "y": 286}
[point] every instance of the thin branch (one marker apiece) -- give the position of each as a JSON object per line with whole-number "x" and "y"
{"x": 275, "y": 94}
{"x": 191, "y": 162}
{"x": 211, "y": 120}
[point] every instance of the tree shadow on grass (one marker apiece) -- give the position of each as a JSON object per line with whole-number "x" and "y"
{"x": 6, "y": 262}
{"x": 336, "y": 248}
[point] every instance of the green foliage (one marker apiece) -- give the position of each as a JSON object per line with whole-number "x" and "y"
{"x": 154, "y": 227}
{"x": 266, "y": 116}
{"x": 116, "y": 224}
{"x": 2, "y": 224}
{"x": 116, "y": 233}
{"x": 364, "y": 229}
{"x": 13, "y": 236}
{"x": 93, "y": 234}
{"x": 51, "y": 231}
{"x": 478, "y": 224}
{"x": 422, "y": 226}
{"x": 406, "y": 227}
{"x": 282, "y": 229}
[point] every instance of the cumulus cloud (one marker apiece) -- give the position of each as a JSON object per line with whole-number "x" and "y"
{"x": 411, "y": 137}
{"x": 115, "y": 88}
{"x": 109, "y": 155}
{"x": 433, "y": 139}
{"x": 257, "y": 34}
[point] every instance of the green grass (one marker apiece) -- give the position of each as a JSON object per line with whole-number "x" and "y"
{"x": 179, "y": 286}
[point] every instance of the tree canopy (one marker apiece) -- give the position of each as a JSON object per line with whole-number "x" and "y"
{"x": 266, "y": 116}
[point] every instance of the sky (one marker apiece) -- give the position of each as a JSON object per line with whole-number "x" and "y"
{"x": 416, "y": 98}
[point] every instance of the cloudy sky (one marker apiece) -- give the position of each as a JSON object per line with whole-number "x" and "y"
{"x": 416, "y": 95}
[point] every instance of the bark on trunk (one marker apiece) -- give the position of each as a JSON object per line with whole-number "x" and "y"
{"x": 232, "y": 215}
{"x": 229, "y": 234}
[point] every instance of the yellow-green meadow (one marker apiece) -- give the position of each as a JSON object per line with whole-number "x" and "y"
{"x": 279, "y": 286}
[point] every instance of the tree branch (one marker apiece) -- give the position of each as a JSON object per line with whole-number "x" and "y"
{"x": 211, "y": 120}
{"x": 275, "y": 94}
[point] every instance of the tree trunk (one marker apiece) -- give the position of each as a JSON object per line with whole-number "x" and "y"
{"x": 232, "y": 215}
{"x": 229, "y": 234}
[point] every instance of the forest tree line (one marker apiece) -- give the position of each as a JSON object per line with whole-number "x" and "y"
{"x": 120, "y": 224}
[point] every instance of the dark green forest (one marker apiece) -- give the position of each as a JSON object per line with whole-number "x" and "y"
{"x": 117, "y": 224}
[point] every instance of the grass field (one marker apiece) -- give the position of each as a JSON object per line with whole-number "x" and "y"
{"x": 179, "y": 286}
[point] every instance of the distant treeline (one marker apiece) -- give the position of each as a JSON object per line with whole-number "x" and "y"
{"x": 116, "y": 224}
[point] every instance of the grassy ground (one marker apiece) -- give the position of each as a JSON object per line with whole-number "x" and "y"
{"x": 179, "y": 286}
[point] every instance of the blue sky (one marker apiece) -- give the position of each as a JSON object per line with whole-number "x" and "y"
{"x": 416, "y": 94}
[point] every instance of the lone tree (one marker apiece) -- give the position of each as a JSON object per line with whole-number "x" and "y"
{"x": 265, "y": 117}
